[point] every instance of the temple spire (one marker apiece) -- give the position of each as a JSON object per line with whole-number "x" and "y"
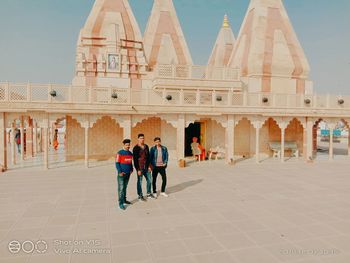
{"x": 164, "y": 40}
{"x": 268, "y": 51}
{"x": 223, "y": 47}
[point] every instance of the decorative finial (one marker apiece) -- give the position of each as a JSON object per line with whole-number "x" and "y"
{"x": 226, "y": 23}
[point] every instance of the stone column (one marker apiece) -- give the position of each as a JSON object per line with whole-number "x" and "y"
{"x": 41, "y": 146}
{"x": 180, "y": 137}
{"x": 3, "y": 143}
{"x": 349, "y": 141}
{"x": 126, "y": 127}
{"x": 13, "y": 142}
{"x": 29, "y": 138}
{"x": 230, "y": 141}
{"x": 86, "y": 126}
{"x": 257, "y": 142}
{"x": 45, "y": 140}
{"x": 22, "y": 137}
{"x": 257, "y": 125}
{"x": 331, "y": 155}
{"x": 35, "y": 138}
{"x": 305, "y": 140}
{"x": 283, "y": 132}
{"x": 309, "y": 139}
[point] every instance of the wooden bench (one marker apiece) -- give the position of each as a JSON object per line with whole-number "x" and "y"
{"x": 288, "y": 146}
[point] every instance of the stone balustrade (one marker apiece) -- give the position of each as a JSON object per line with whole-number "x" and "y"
{"x": 204, "y": 97}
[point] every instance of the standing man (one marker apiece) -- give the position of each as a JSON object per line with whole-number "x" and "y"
{"x": 159, "y": 160}
{"x": 141, "y": 163}
{"x": 124, "y": 167}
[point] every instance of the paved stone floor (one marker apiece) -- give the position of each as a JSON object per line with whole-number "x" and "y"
{"x": 272, "y": 212}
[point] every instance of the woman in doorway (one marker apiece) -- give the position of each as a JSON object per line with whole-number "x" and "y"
{"x": 55, "y": 140}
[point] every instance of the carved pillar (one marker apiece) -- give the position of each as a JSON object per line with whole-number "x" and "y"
{"x": 349, "y": 141}
{"x": 13, "y": 142}
{"x": 35, "y": 138}
{"x": 331, "y": 130}
{"x": 180, "y": 137}
{"x": 29, "y": 138}
{"x": 22, "y": 137}
{"x": 283, "y": 132}
{"x": 45, "y": 139}
{"x": 126, "y": 125}
{"x": 86, "y": 126}
{"x": 309, "y": 139}
{"x": 230, "y": 140}
{"x": 3, "y": 142}
{"x": 257, "y": 125}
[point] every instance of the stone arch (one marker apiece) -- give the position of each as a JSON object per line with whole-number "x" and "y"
{"x": 74, "y": 138}
{"x": 322, "y": 144}
{"x": 295, "y": 133}
{"x": 212, "y": 131}
{"x": 244, "y": 136}
{"x": 105, "y": 138}
{"x": 269, "y": 132}
{"x": 156, "y": 126}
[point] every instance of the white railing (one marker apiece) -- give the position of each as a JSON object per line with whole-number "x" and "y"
{"x": 196, "y": 72}
{"x": 53, "y": 94}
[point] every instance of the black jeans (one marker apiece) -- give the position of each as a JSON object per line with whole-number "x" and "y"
{"x": 155, "y": 172}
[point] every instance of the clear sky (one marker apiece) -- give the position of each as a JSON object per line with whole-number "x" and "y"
{"x": 38, "y": 37}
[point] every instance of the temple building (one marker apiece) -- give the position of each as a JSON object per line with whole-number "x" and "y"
{"x": 253, "y": 99}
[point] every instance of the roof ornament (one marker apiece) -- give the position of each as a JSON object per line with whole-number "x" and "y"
{"x": 226, "y": 23}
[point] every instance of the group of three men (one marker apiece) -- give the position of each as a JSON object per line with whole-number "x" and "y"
{"x": 148, "y": 163}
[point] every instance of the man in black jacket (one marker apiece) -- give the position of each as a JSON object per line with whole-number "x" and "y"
{"x": 142, "y": 163}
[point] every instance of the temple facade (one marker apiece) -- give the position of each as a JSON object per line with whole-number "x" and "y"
{"x": 253, "y": 99}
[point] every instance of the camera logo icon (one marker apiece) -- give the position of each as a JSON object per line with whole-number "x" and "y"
{"x": 14, "y": 246}
{"x": 27, "y": 246}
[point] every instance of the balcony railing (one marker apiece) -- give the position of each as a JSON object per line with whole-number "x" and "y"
{"x": 55, "y": 94}
{"x": 196, "y": 72}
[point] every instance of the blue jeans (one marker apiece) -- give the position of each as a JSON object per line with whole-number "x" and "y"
{"x": 148, "y": 177}
{"x": 122, "y": 185}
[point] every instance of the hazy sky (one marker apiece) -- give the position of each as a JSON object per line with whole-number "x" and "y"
{"x": 38, "y": 37}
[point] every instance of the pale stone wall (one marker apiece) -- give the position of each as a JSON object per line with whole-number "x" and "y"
{"x": 151, "y": 128}
{"x": 216, "y": 135}
{"x": 155, "y": 127}
{"x": 244, "y": 138}
{"x": 105, "y": 138}
{"x": 295, "y": 133}
{"x": 74, "y": 139}
{"x": 168, "y": 137}
{"x": 271, "y": 132}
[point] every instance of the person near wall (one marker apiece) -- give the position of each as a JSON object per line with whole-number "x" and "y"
{"x": 124, "y": 167}
{"x": 55, "y": 140}
{"x": 197, "y": 150}
{"x": 18, "y": 140}
{"x": 159, "y": 161}
{"x": 142, "y": 163}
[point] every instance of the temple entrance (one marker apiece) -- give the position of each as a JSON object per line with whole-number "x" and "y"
{"x": 196, "y": 129}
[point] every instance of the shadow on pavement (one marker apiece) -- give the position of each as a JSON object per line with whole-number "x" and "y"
{"x": 183, "y": 186}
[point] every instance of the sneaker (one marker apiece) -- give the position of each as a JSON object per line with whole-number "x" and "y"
{"x": 122, "y": 207}
{"x": 150, "y": 196}
{"x": 142, "y": 198}
{"x": 126, "y": 202}
{"x": 164, "y": 194}
{"x": 155, "y": 195}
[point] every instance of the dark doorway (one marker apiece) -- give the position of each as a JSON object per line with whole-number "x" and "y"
{"x": 193, "y": 130}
